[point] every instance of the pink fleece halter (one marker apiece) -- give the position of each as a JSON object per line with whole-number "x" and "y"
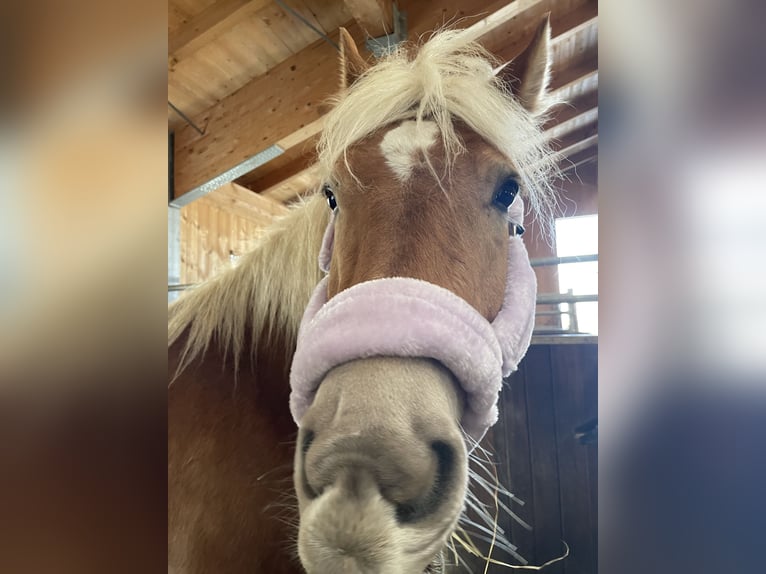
{"x": 405, "y": 317}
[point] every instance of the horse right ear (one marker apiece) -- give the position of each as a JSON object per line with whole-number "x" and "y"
{"x": 352, "y": 65}
{"x": 528, "y": 74}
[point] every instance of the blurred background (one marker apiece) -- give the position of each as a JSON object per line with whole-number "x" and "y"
{"x": 83, "y": 271}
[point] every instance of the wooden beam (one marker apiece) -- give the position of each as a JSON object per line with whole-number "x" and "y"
{"x": 245, "y": 203}
{"x": 576, "y": 142}
{"x": 295, "y": 185}
{"x": 587, "y": 117}
{"x": 374, "y": 16}
{"x": 584, "y": 157}
{"x": 206, "y": 26}
{"x": 281, "y": 106}
{"x": 281, "y": 168}
{"x": 502, "y": 16}
{"x": 569, "y": 110}
{"x": 578, "y": 76}
{"x": 507, "y": 32}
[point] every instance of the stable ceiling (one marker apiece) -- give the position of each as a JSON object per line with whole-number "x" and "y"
{"x": 253, "y": 74}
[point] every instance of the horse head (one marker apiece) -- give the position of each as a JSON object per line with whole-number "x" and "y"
{"x": 429, "y": 297}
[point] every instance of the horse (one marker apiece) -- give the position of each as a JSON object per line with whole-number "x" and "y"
{"x": 366, "y": 315}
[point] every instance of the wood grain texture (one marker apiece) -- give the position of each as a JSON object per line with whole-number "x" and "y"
{"x": 261, "y": 114}
{"x": 217, "y": 47}
{"x": 553, "y": 392}
{"x": 211, "y": 233}
{"x": 575, "y": 376}
{"x": 208, "y": 25}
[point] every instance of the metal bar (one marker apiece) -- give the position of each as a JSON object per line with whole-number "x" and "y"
{"x": 552, "y": 298}
{"x": 550, "y": 329}
{"x": 171, "y": 168}
{"x": 300, "y": 17}
{"x": 563, "y": 339}
{"x": 186, "y": 118}
{"x": 235, "y": 172}
{"x": 542, "y": 299}
{"x": 384, "y": 45}
{"x": 573, "y": 325}
{"x": 544, "y": 261}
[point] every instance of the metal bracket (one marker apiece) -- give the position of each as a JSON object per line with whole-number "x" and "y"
{"x": 384, "y": 45}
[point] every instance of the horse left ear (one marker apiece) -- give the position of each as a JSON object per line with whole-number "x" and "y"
{"x": 528, "y": 74}
{"x": 352, "y": 65}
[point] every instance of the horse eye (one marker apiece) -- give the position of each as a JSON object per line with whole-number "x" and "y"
{"x": 506, "y": 194}
{"x": 330, "y": 197}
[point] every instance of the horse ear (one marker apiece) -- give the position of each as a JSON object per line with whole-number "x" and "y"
{"x": 352, "y": 65}
{"x": 528, "y": 74}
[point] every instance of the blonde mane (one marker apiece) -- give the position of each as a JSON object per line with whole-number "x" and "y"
{"x": 270, "y": 286}
{"x": 449, "y": 78}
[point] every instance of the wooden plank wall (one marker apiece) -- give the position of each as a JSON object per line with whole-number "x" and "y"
{"x": 209, "y": 235}
{"x": 541, "y": 461}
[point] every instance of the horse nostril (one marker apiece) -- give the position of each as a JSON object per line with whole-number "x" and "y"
{"x": 308, "y": 438}
{"x": 405, "y": 513}
{"x": 414, "y": 510}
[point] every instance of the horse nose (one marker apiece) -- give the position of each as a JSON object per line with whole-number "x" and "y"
{"x": 394, "y": 420}
{"x": 407, "y": 472}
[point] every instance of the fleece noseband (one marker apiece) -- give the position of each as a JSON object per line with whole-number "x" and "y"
{"x": 406, "y": 317}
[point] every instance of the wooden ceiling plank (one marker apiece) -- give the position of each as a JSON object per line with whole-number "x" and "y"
{"x": 571, "y": 109}
{"x": 272, "y": 173}
{"x": 208, "y": 25}
{"x": 568, "y": 147}
{"x": 245, "y": 203}
{"x": 508, "y": 39}
{"x": 295, "y": 185}
{"x": 584, "y": 157}
{"x": 500, "y": 17}
{"x": 584, "y": 118}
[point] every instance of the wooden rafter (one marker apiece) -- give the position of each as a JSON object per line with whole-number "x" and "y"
{"x": 572, "y": 109}
{"x": 583, "y": 157}
{"x": 297, "y": 184}
{"x": 586, "y": 117}
{"x": 576, "y": 140}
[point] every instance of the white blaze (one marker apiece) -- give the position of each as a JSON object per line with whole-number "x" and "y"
{"x": 403, "y": 145}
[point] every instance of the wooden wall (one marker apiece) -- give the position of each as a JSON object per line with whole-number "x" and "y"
{"x": 543, "y": 463}
{"x": 209, "y": 235}
{"x": 223, "y": 223}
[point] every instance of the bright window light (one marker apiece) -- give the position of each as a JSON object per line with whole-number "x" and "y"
{"x": 579, "y": 236}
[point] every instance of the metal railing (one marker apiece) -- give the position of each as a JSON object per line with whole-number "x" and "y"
{"x": 569, "y": 298}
